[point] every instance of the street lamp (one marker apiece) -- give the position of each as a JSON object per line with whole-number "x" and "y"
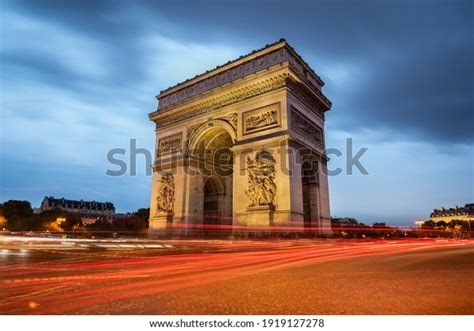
{"x": 419, "y": 223}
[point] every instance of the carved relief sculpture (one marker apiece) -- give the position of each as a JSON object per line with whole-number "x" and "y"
{"x": 260, "y": 119}
{"x": 232, "y": 119}
{"x": 224, "y": 100}
{"x": 227, "y": 77}
{"x": 192, "y": 129}
{"x": 165, "y": 198}
{"x": 306, "y": 127}
{"x": 261, "y": 180}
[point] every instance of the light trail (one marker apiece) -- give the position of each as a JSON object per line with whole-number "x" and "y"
{"x": 77, "y": 284}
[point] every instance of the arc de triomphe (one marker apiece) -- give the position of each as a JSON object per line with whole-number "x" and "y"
{"x": 241, "y": 148}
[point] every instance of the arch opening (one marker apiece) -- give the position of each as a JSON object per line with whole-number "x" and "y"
{"x": 212, "y": 201}
{"x": 212, "y": 152}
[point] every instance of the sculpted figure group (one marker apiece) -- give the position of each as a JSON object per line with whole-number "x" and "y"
{"x": 165, "y": 197}
{"x": 261, "y": 180}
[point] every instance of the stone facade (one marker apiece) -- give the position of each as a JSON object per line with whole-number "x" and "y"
{"x": 82, "y": 207}
{"x": 457, "y": 213}
{"x": 241, "y": 148}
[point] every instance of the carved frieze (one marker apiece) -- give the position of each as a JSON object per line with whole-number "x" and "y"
{"x": 209, "y": 105}
{"x": 261, "y": 119}
{"x": 165, "y": 197}
{"x": 225, "y": 77}
{"x": 170, "y": 144}
{"x": 306, "y": 127}
{"x": 261, "y": 180}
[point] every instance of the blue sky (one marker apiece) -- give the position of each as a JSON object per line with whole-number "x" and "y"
{"x": 78, "y": 78}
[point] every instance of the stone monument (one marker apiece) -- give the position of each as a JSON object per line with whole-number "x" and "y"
{"x": 240, "y": 148}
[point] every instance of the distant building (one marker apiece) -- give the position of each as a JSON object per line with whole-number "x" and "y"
{"x": 465, "y": 213}
{"x": 90, "y": 208}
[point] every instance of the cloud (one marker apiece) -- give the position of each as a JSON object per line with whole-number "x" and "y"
{"x": 78, "y": 80}
{"x": 406, "y": 180}
{"x": 426, "y": 97}
{"x": 172, "y": 61}
{"x": 34, "y": 39}
{"x": 65, "y": 104}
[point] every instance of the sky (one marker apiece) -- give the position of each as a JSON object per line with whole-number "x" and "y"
{"x": 78, "y": 78}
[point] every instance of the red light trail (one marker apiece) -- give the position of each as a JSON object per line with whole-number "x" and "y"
{"x": 71, "y": 284}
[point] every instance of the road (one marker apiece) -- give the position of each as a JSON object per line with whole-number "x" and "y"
{"x": 55, "y": 276}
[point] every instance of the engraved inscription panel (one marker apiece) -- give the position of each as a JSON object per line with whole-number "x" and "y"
{"x": 170, "y": 144}
{"x": 261, "y": 119}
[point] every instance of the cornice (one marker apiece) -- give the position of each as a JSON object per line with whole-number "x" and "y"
{"x": 223, "y": 67}
{"x": 222, "y": 100}
{"x": 317, "y": 104}
{"x": 269, "y": 56}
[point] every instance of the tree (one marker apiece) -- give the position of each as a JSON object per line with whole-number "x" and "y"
{"x": 441, "y": 224}
{"x": 71, "y": 221}
{"x": 19, "y": 216}
{"x": 100, "y": 225}
{"x": 428, "y": 225}
{"x": 3, "y": 220}
{"x": 17, "y": 208}
{"x": 67, "y": 219}
{"x": 142, "y": 214}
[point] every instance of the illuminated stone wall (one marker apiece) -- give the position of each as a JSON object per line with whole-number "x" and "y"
{"x": 267, "y": 110}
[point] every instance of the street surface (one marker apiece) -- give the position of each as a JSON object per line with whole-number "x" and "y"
{"x": 78, "y": 276}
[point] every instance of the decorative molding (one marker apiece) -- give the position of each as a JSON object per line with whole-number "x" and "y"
{"x": 305, "y": 97}
{"x": 170, "y": 144}
{"x": 225, "y": 99}
{"x": 232, "y": 120}
{"x": 261, "y": 180}
{"x": 300, "y": 123}
{"x": 166, "y": 197}
{"x": 193, "y": 128}
{"x": 261, "y": 119}
{"x": 247, "y": 68}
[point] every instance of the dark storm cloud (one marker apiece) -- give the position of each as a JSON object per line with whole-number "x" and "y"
{"x": 413, "y": 59}
{"x": 114, "y": 27}
{"x": 426, "y": 98}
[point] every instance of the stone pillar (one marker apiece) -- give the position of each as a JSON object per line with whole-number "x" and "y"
{"x": 195, "y": 201}
{"x": 296, "y": 185}
{"x": 239, "y": 184}
{"x": 168, "y": 199}
{"x": 251, "y": 209}
{"x": 158, "y": 221}
{"x": 315, "y": 206}
{"x": 324, "y": 209}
